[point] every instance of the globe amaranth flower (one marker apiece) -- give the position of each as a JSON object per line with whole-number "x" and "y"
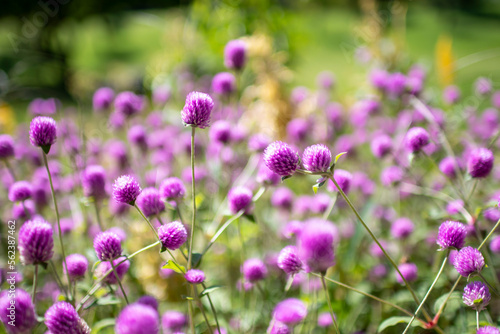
{"x": 483, "y": 86}
{"x": 220, "y": 132}
{"x": 476, "y": 295}
{"x": 128, "y": 104}
{"x": 235, "y": 54}
{"x": 409, "y": 272}
{"x": 267, "y": 177}
{"x": 6, "y": 147}
{"x": 381, "y": 146}
{"x": 325, "y": 319}
{"x": 280, "y": 158}
{"x": 149, "y": 301}
{"x": 258, "y": 142}
{"x": 20, "y": 191}
{"x": 391, "y": 176}
{"x": 173, "y": 321}
{"x": 197, "y": 110}
{"x": 451, "y": 94}
{"x": 290, "y": 311}
{"x": 121, "y": 265}
{"x": 126, "y": 189}
{"x": 107, "y": 246}
{"x": 94, "y": 182}
{"x": 488, "y": 330}
{"x": 149, "y": 202}
{"x": 402, "y": 228}
{"x": 343, "y": 179}
{"x": 298, "y": 129}
{"x": 282, "y": 198}
{"x": 77, "y": 266}
{"x": 468, "y": 261}
{"x": 451, "y": 235}
{"x": 102, "y": 99}
{"x": 277, "y": 327}
{"x": 416, "y": 139}
{"x": 195, "y": 276}
{"x": 240, "y": 198}
{"x": 172, "y": 188}
{"x": 224, "y": 83}
{"x": 172, "y": 235}
{"x": 254, "y": 270}
{"x": 137, "y": 136}
{"x": 315, "y": 244}
{"x": 449, "y": 167}
{"x": 137, "y": 319}
{"x": 495, "y": 244}
{"x": 43, "y": 106}
{"x": 317, "y": 158}
{"x": 62, "y": 318}
{"x": 43, "y": 132}
{"x": 289, "y": 260}
{"x": 36, "y": 242}
{"x": 480, "y": 162}
{"x": 22, "y": 313}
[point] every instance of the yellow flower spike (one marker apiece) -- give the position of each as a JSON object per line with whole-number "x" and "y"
{"x": 444, "y": 60}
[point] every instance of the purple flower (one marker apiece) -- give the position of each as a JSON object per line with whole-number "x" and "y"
{"x": 149, "y": 202}
{"x": 468, "y": 261}
{"x": 495, "y": 244}
{"x": 137, "y": 319}
{"x": 43, "y": 132}
{"x": 409, "y": 272}
{"x": 416, "y": 139}
{"x": 402, "y": 228}
{"x": 289, "y": 260}
{"x": 396, "y": 84}
{"x": 448, "y": 166}
{"x": 107, "y": 246}
{"x": 290, "y": 311}
{"x": 120, "y": 267}
{"x": 483, "y": 86}
{"x": 258, "y": 142}
{"x": 62, "y": 318}
{"x": 316, "y": 245}
{"x": 6, "y": 147}
{"x": 220, "y": 132}
{"x": 172, "y": 188}
{"x": 161, "y": 94}
{"x": 172, "y": 235}
{"x": 278, "y": 328}
{"x": 239, "y": 198}
{"x": 451, "y": 94}
{"x": 317, "y": 158}
{"x": 476, "y": 295}
{"x": 254, "y": 270}
{"x": 22, "y": 312}
{"x": 126, "y": 189}
{"x": 267, "y": 177}
{"x": 325, "y": 80}
{"x": 94, "y": 182}
{"x": 77, "y": 266}
{"x": 488, "y": 330}
{"x": 23, "y": 210}
{"x": 137, "y": 135}
{"x": 280, "y": 158}
{"x": 297, "y": 129}
{"x": 195, "y": 276}
{"x": 36, "y": 243}
{"x": 391, "y": 176}
{"x": 325, "y": 319}
{"x": 102, "y": 99}
{"x": 381, "y": 146}
{"x": 451, "y": 235}
{"x": 20, "y": 191}
{"x": 128, "y": 104}
{"x": 480, "y": 162}
{"x": 197, "y": 110}
{"x": 455, "y": 206}
{"x": 379, "y": 78}
{"x": 235, "y": 54}
{"x": 282, "y": 198}
{"x": 149, "y": 301}
{"x": 173, "y": 321}
{"x": 343, "y": 179}
{"x": 224, "y": 83}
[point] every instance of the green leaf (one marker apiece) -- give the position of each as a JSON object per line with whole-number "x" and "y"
{"x": 101, "y": 324}
{"x": 163, "y": 249}
{"x": 210, "y": 289}
{"x": 174, "y": 267}
{"x": 315, "y": 188}
{"x": 195, "y": 259}
{"x": 337, "y": 157}
{"x": 453, "y": 304}
{"x": 283, "y": 178}
{"x": 44, "y": 265}
{"x": 392, "y": 321}
{"x": 250, "y": 217}
{"x": 108, "y": 300}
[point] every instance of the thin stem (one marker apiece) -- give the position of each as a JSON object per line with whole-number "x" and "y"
{"x": 149, "y": 223}
{"x": 489, "y": 234}
{"x": 159, "y": 219}
{"x": 200, "y": 306}
{"x": 488, "y": 284}
{"x": 330, "y": 207}
{"x": 58, "y": 279}
{"x": 472, "y": 190}
{"x": 9, "y": 167}
{"x": 26, "y": 212}
{"x": 212, "y": 307}
{"x": 193, "y": 221}
{"x": 441, "y": 309}
{"x": 119, "y": 282}
{"x": 329, "y": 303}
{"x": 98, "y": 215}
{"x": 57, "y": 217}
{"x": 477, "y": 319}
{"x": 35, "y": 280}
{"x": 178, "y": 210}
{"x": 221, "y": 230}
{"x": 175, "y": 262}
{"x": 258, "y": 194}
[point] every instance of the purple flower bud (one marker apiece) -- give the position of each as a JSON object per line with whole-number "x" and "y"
{"x": 468, "y": 261}
{"x": 6, "y": 147}
{"x": 316, "y": 245}
{"x": 448, "y": 166}
{"x": 290, "y": 311}
{"x": 220, "y": 132}
{"x": 20, "y": 191}
{"x": 126, "y": 189}
{"x": 172, "y": 235}
{"x": 137, "y": 319}
{"x": 451, "y": 235}
{"x": 451, "y": 94}
{"x": 254, "y": 270}
{"x": 77, "y": 266}
{"x": 258, "y": 142}
{"x": 298, "y": 129}
{"x": 476, "y": 295}
{"x": 325, "y": 319}
{"x": 161, "y": 94}
{"x": 62, "y": 318}
{"x": 195, "y": 276}
{"x": 416, "y": 139}
{"x": 280, "y": 158}
{"x": 24, "y": 311}
{"x": 278, "y": 328}
{"x": 409, "y": 272}
{"x": 483, "y": 86}
{"x": 454, "y": 207}
{"x": 379, "y": 78}
{"x": 391, "y": 176}
{"x": 282, "y": 198}
{"x": 381, "y": 146}
{"x": 43, "y": 107}
{"x": 267, "y": 177}
{"x": 396, "y": 84}
{"x": 235, "y": 54}
{"x": 128, "y": 104}
{"x": 375, "y": 249}
{"x": 94, "y": 182}
{"x": 23, "y": 210}
{"x": 480, "y": 162}
{"x": 120, "y": 267}
{"x": 107, "y": 246}
{"x": 378, "y": 271}
{"x": 289, "y": 260}
{"x": 495, "y": 99}
{"x": 343, "y": 179}
{"x": 43, "y": 132}
{"x": 102, "y": 99}
{"x": 197, "y": 110}
{"x": 317, "y": 158}
{"x": 173, "y": 321}
{"x": 148, "y": 301}
{"x": 36, "y": 243}
{"x": 216, "y": 331}
{"x": 488, "y": 330}
{"x": 325, "y": 80}
{"x": 240, "y": 198}
{"x": 149, "y": 202}
{"x": 172, "y": 188}
{"x": 137, "y": 135}
{"x": 495, "y": 244}
{"x": 402, "y": 228}
{"x": 224, "y": 83}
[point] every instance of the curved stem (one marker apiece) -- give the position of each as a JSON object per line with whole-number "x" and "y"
{"x": 330, "y": 207}
{"x": 329, "y": 303}
{"x": 119, "y": 282}
{"x": 35, "y": 280}
{"x": 58, "y": 279}
{"x": 149, "y": 223}
{"x": 221, "y": 230}
{"x": 98, "y": 215}
{"x": 212, "y": 307}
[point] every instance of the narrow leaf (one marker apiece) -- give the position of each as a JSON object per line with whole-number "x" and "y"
{"x": 174, "y": 267}
{"x": 210, "y": 289}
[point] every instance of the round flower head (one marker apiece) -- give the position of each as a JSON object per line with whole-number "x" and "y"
{"x": 451, "y": 94}
{"x": 172, "y": 188}
{"x": 149, "y": 202}
{"x": 317, "y": 158}
{"x": 23, "y": 311}
{"x": 483, "y": 86}
{"x": 195, "y": 276}
{"x": 476, "y": 295}
{"x": 6, "y": 147}
{"x": 137, "y": 319}
{"x": 128, "y": 104}
{"x": 43, "y": 132}
{"x": 409, "y": 272}
{"x": 239, "y": 198}
{"x": 137, "y": 135}
{"x": 197, "y": 110}
{"x": 451, "y": 235}
{"x": 220, "y": 132}
{"x": 254, "y": 270}
{"x": 495, "y": 244}
{"x": 173, "y": 321}
{"x": 480, "y": 162}
{"x": 325, "y": 319}
{"x": 468, "y": 261}
{"x": 149, "y": 301}
{"x": 267, "y": 176}
{"x": 126, "y": 189}
{"x": 282, "y": 198}
{"x": 258, "y": 142}
{"x": 77, "y": 266}
{"x": 343, "y": 179}
{"x": 281, "y": 159}
{"x": 416, "y": 139}
{"x": 107, "y": 246}
{"x": 290, "y": 311}
{"x": 278, "y": 328}
{"x": 391, "y": 176}
{"x": 381, "y": 146}
{"x": 298, "y": 129}
{"x": 235, "y": 54}
{"x": 402, "y": 228}
{"x": 224, "y": 83}
{"x": 102, "y": 99}
{"x": 289, "y": 260}
{"x": 488, "y": 330}
{"x": 121, "y": 268}
{"x": 325, "y": 80}
{"x": 316, "y": 245}
{"x": 20, "y": 191}
{"x": 448, "y": 166}
{"x": 172, "y": 235}
{"x": 94, "y": 182}
{"x": 62, "y": 318}
{"x": 36, "y": 242}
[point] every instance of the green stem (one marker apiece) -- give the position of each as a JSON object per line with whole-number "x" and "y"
{"x": 159, "y": 219}
{"x": 178, "y": 210}
{"x": 119, "y": 282}
{"x": 193, "y": 221}
{"x": 58, "y": 279}
{"x": 329, "y": 303}
{"x": 98, "y": 215}
{"x": 149, "y": 223}
{"x": 331, "y": 206}
{"x": 175, "y": 262}
{"x": 35, "y": 280}
{"x": 488, "y": 284}
{"x": 9, "y": 167}
{"x": 477, "y": 319}
{"x": 200, "y": 306}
